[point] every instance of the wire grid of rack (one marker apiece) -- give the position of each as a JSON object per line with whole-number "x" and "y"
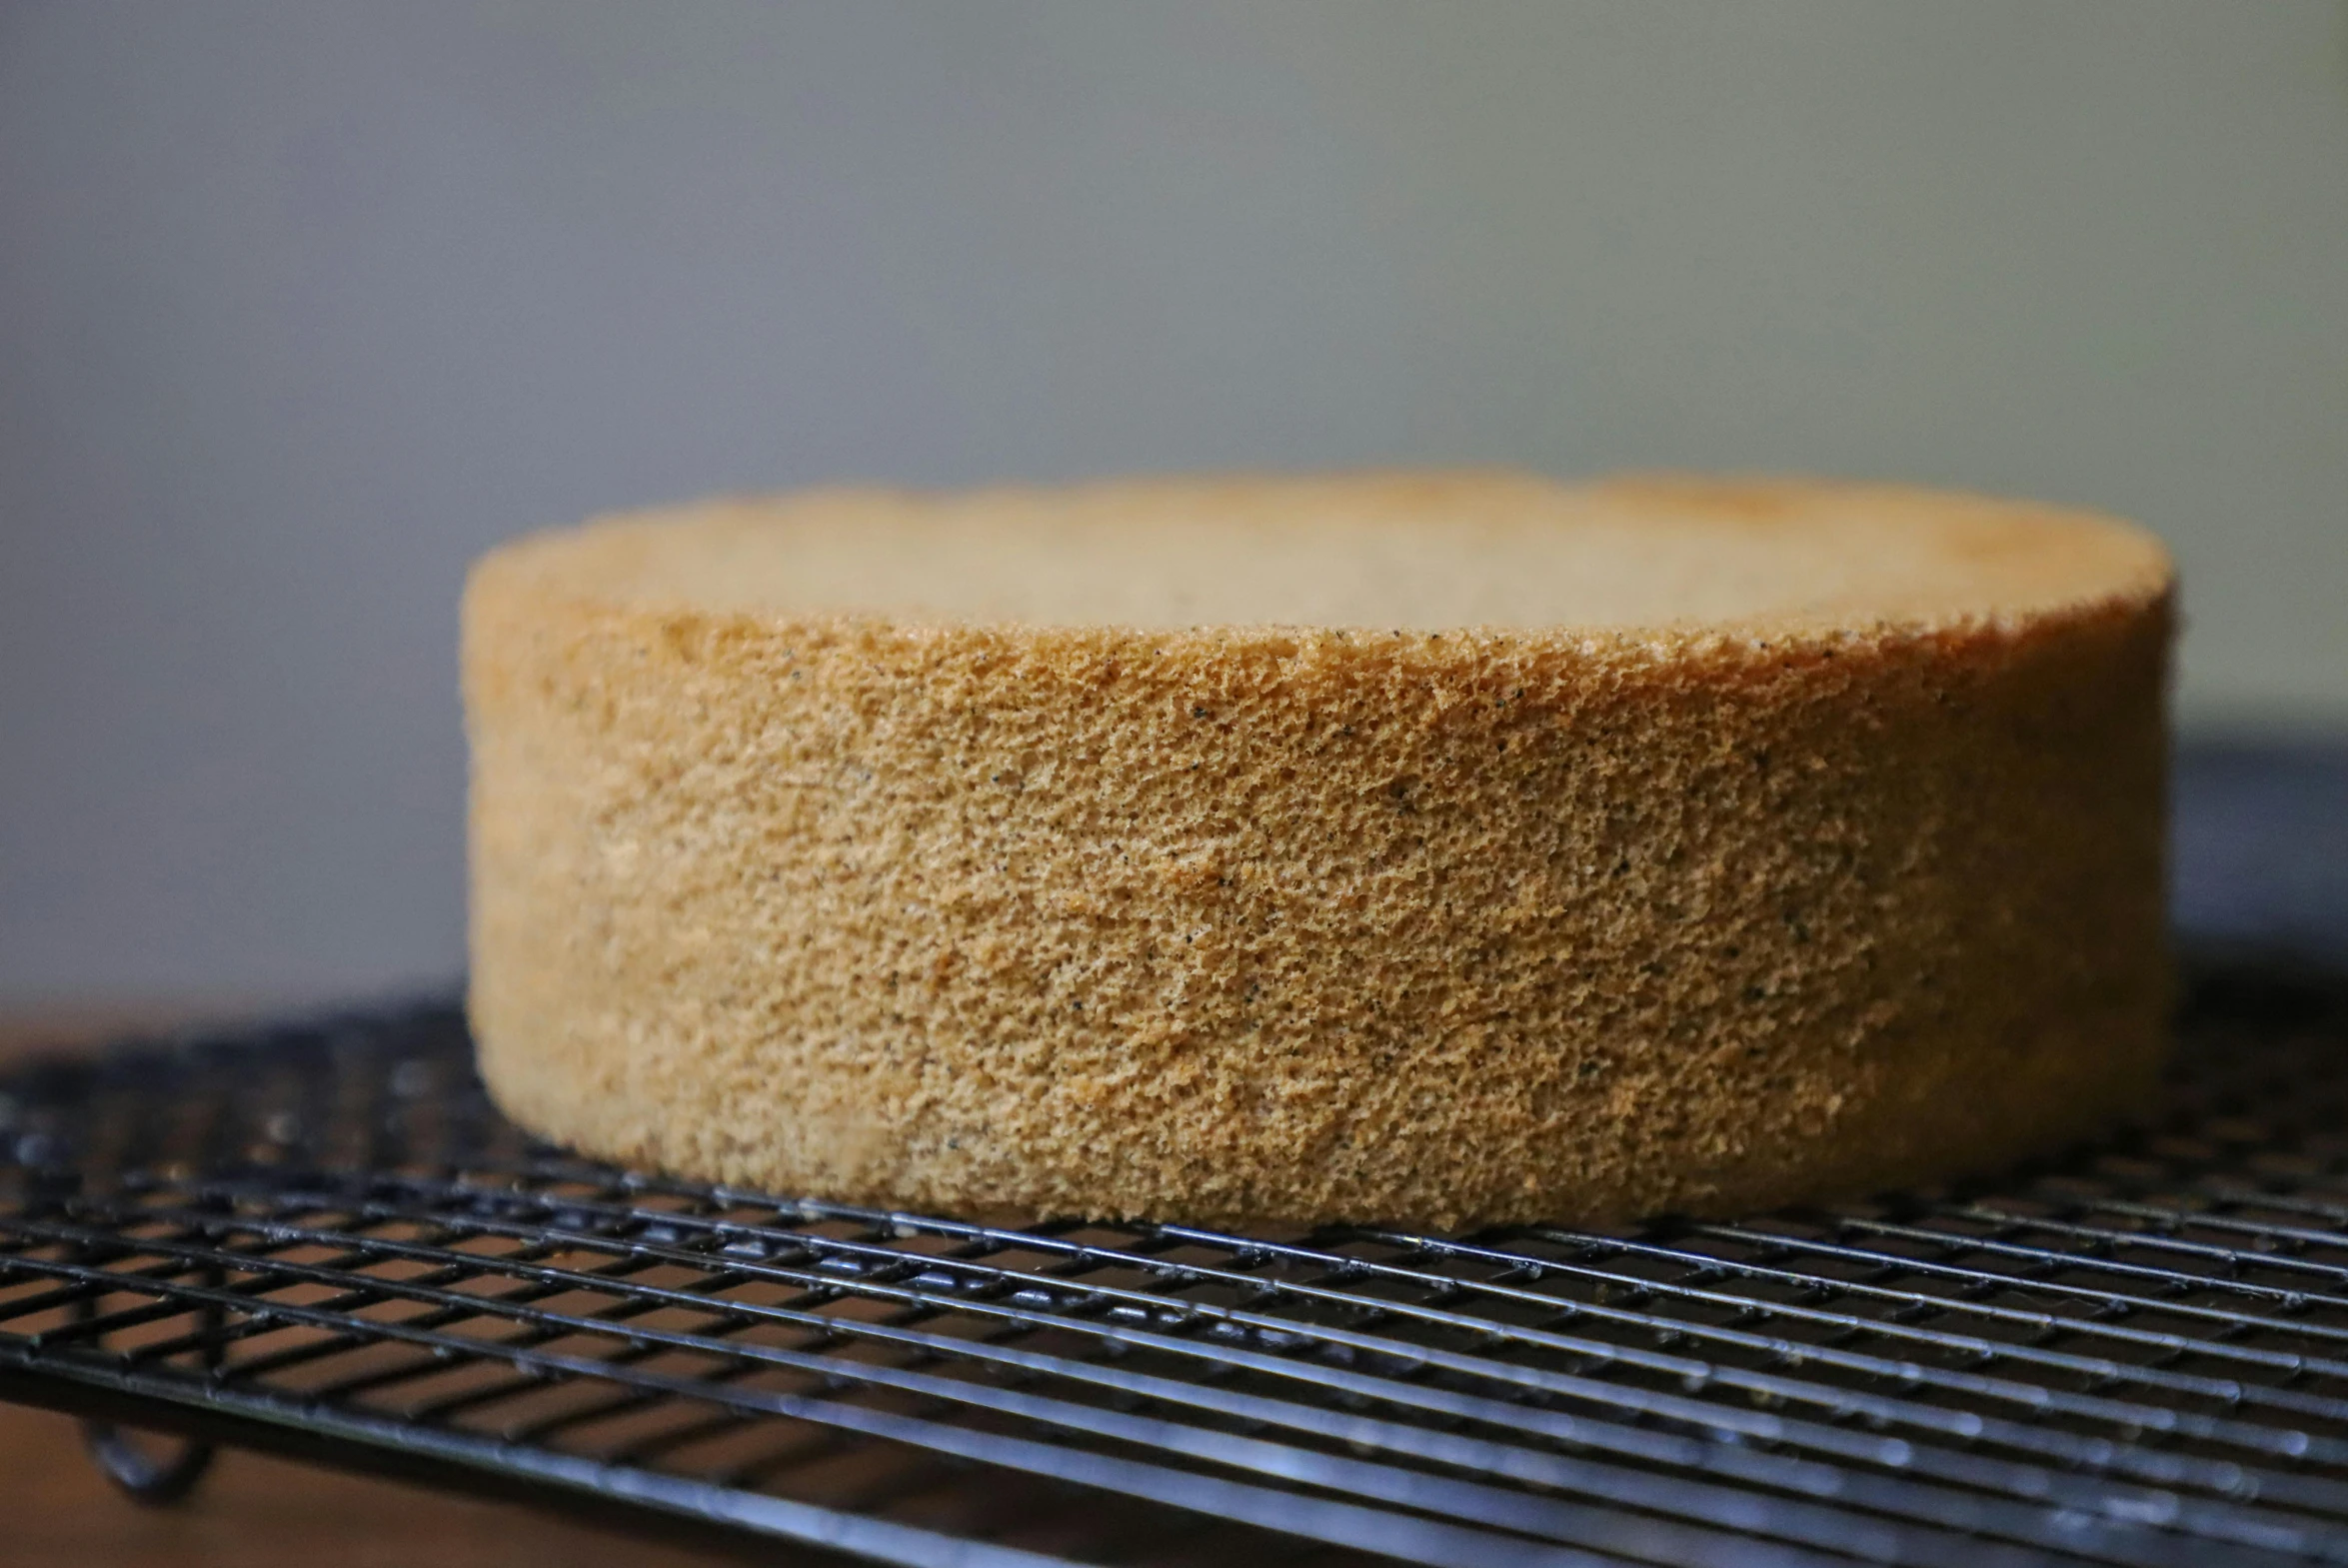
{"x": 323, "y": 1240}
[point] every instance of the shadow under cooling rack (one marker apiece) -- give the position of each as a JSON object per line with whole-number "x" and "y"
{"x": 323, "y": 1240}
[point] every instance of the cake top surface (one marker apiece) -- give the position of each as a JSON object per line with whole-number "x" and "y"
{"x": 1427, "y": 551}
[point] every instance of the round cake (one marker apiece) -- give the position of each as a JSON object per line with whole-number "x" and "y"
{"x": 1429, "y": 849}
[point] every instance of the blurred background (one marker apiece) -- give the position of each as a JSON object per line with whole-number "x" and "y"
{"x": 303, "y": 306}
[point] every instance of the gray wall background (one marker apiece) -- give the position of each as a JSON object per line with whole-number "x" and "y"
{"x": 302, "y": 305}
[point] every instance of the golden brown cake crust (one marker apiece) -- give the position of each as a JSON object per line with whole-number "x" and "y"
{"x": 1275, "y": 923}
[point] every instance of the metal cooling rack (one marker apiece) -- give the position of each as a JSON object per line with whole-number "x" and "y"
{"x": 323, "y": 1240}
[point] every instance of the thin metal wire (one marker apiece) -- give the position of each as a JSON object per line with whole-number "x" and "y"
{"x": 1714, "y": 1505}
{"x": 2138, "y": 1356}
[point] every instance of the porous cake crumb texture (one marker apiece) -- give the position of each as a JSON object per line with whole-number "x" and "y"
{"x": 996, "y": 901}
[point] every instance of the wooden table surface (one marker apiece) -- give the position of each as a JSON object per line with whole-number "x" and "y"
{"x": 57, "y": 1511}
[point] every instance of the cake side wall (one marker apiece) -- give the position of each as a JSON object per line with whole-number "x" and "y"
{"x": 1426, "y": 928}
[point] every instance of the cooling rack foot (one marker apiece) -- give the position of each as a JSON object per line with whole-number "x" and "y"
{"x": 157, "y": 1471}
